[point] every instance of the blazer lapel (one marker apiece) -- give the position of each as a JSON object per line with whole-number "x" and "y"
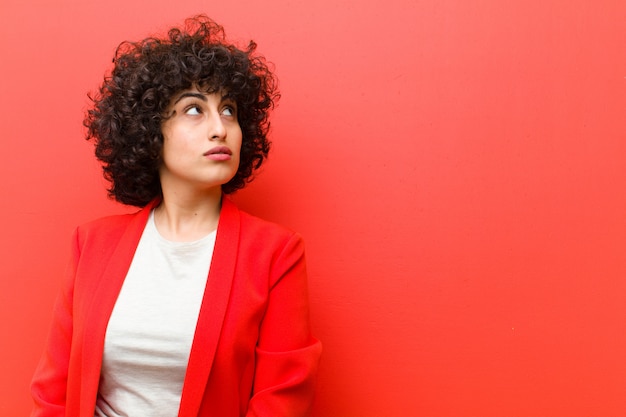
{"x": 104, "y": 295}
{"x": 212, "y": 310}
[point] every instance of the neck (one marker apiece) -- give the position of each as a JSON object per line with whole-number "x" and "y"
{"x": 184, "y": 218}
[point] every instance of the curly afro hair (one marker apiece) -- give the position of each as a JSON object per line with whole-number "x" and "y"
{"x": 129, "y": 108}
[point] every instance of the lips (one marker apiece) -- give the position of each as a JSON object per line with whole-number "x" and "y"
{"x": 219, "y": 153}
{"x": 219, "y": 150}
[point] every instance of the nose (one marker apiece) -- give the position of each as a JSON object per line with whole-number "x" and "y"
{"x": 217, "y": 130}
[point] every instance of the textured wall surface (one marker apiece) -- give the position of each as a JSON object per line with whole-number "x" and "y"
{"x": 456, "y": 168}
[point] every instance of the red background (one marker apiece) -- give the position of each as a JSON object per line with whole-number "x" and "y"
{"x": 456, "y": 167}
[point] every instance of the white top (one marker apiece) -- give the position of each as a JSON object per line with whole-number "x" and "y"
{"x": 149, "y": 335}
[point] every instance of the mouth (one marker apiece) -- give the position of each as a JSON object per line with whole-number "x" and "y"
{"x": 219, "y": 150}
{"x": 219, "y": 153}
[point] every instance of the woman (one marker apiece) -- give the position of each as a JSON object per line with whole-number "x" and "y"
{"x": 188, "y": 307}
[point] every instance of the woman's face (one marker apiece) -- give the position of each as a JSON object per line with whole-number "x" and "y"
{"x": 201, "y": 141}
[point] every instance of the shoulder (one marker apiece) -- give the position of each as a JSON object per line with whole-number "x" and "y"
{"x": 111, "y": 228}
{"x": 107, "y": 222}
{"x": 253, "y": 224}
{"x": 256, "y": 231}
{"x": 250, "y": 223}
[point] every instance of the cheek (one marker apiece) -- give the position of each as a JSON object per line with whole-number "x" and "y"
{"x": 174, "y": 152}
{"x": 236, "y": 156}
{"x": 166, "y": 150}
{"x": 237, "y": 142}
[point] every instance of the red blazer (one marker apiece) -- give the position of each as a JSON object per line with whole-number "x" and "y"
{"x": 252, "y": 352}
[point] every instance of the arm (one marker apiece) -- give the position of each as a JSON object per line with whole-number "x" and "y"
{"x": 49, "y": 383}
{"x": 286, "y": 355}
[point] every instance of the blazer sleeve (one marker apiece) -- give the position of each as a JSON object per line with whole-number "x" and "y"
{"x": 287, "y": 355}
{"x": 49, "y": 384}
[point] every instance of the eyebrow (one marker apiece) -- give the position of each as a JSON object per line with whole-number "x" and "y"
{"x": 191, "y": 94}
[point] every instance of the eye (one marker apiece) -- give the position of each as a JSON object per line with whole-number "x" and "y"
{"x": 193, "y": 110}
{"x": 229, "y": 110}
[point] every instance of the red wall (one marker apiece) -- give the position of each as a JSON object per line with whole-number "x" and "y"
{"x": 456, "y": 167}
